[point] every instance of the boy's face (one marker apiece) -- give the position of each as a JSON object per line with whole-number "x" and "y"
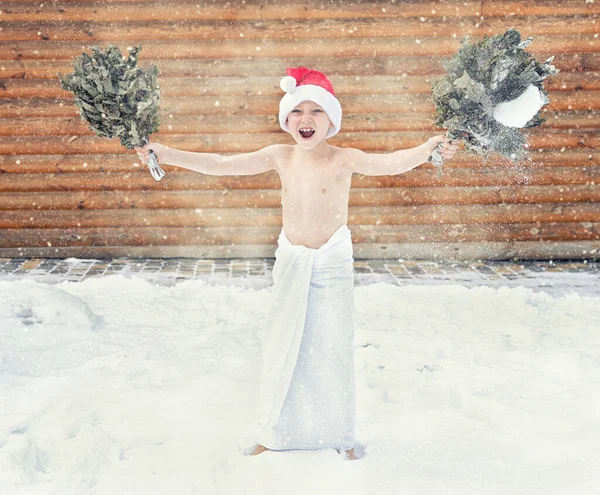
{"x": 308, "y": 124}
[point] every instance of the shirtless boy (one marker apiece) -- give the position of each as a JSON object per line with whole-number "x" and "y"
{"x": 315, "y": 176}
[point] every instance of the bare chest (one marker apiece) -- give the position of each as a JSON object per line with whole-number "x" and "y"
{"x": 314, "y": 201}
{"x": 314, "y": 184}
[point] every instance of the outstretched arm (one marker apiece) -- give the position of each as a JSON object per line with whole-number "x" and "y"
{"x": 252, "y": 163}
{"x": 399, "y": 161}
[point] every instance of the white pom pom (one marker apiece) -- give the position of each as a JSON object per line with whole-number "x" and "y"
{"x": 288, "y": 84}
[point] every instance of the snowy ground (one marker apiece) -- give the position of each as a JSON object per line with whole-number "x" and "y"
{"x": 117, "y": 385}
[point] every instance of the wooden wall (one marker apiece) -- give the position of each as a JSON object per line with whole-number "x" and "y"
{"x": 65, "y": 192}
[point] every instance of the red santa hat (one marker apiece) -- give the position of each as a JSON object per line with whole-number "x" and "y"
{"x": 302, "y": 84}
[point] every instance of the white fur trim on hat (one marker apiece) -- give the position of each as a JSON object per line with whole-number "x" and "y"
{"x": 309, "y": 92}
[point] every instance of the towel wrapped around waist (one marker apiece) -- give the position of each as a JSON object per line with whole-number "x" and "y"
{"x": 307, "y": 391}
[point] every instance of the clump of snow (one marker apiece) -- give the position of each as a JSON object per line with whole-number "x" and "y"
{"x": 517, "y": 112}
{"x": 116, "y": 385}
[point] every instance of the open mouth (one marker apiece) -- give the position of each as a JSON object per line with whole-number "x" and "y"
{"x": 306, "y": 132}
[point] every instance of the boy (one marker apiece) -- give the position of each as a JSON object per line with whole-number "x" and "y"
{"x": 307, "y": 384}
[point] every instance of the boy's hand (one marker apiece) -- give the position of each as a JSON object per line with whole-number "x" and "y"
{"x": 447, "y": 149}
{"x": 143, "y": 152}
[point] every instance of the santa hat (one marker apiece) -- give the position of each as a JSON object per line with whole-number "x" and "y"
{"x": 302, "y": 84}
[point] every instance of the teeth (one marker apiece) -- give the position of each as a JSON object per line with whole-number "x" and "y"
{"x": 307, "y": 129}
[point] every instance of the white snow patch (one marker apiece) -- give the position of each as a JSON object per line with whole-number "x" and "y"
{"x": 116, "y": 385}
{"x": 517, "y": 112}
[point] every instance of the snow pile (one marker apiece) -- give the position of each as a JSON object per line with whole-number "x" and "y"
{"x": 39, "y": 323}
{"x": 115, "y": 385}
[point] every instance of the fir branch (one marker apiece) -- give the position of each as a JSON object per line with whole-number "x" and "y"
{"x": 479, "y": 78}
{"x": 115, "y": 97}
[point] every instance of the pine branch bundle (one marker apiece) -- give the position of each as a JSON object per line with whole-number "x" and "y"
{"x": 115, "y": 97}
{"x": 491, "y": 91}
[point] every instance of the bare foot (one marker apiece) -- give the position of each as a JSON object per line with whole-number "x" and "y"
{"x": 349, "y": 455}
{"x": 259, "y": 449}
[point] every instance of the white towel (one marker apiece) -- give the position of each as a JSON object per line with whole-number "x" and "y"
{"x": 307, "y": 391}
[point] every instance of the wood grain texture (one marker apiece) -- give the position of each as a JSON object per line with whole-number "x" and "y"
{"x": 268, "y": 86}
{"x": 271, "y": 198}
{"x": 66, "y": 192}
{"x": 359, "y": 66}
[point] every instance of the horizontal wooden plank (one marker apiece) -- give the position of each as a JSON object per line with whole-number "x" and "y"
{"x": 432, "y": 64}
{"x": 207, "y": 217}
{"x": 538, "y": 7}
{"x": 289, "y": 9}
{"x": 235, "y": 10}
{"x": 322, "y": 47}
{"x": 384, "y": 234}
{"x": 486, "y": 8}
{"x": 141, "y": 31}
{"x": 120, "y": 11}
{"x": 233, "y": 106}
{"x": 237, "y": 143}
{"x": 472, "y": 214}
{"x": 227, "y": 106}
{"x": 271, "y": 198}
{"x": 424, "y": 175}
{"x": 49, "y": 164}
{"x": 252, "y": 124}
{"x": 208, "y": 49}
{"x": 93, "y": 144}
{"x": 480, "y": 232}
{"x": 268, "y": 217}
{"x": 269, "y": 86}
{"x": 446, "y": 251}
{"x": 360, "y": 66}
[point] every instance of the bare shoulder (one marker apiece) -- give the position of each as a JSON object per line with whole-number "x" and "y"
{"x": 279, "y": 151}
{"x": 351, "y": 158}
{"x": 280, "y": 154}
